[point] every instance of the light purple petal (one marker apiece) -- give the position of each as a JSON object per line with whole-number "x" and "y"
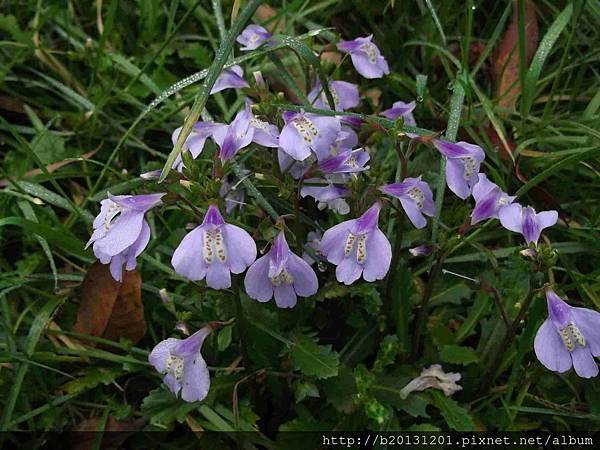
{"x": 305, "y": 279}
{"x": 510, "y": 217}
{"x": 368, "y": 221}
{"x": 218, "y": 276}
{"x": 116, "y": 267}
{"x": 413, "y": 212}
{"x": 550, "y": 350}
{"x": 399, "y": 109}
{"x": 138, "y": 246}
{"x": 257, "y": 283}
{"x": 292, "y": 143}
{"x": 334, "y": 240}
{"x": 123, "y": 233}
{"x": 196, "y": 379}
{"x": 139, "y": 203}
{"x": 588, "y": 322}
{"x": 584, "y": 363}
{"x": 187, "y": 259}
{"x": 285, "y": 296}
{"x": 348, "y": 271}
{"x": 379, "y": 256}
{"x": 482, "y": 187}
{"x": 546, "y": 219}
{"x": 229, "y": 78}
{"x": 160, "y": 353}
{"x": 241, "y": 248}
{"x": 487, "y": 206}
{"x": 455, "y": 178}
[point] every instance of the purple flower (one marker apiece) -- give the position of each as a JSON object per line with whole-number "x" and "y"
{"x": 421, "y": 250}
{"x": 366, "y": 57}
{"x": 346, "y": 139}
{"x": 401, "y": 109}
{"x": 281, "y": 273}
{"x": 569, "y": 337}
{"x": 120, "y": 231}
{"x": 526, "y": 221}
{"x": 462, "y": 169}
{"x": 252, "y": 37}
{"x": 265, "y": 134}
{"x": 327, "y": 195}
{"x": 415, "y": 197}
{"x": 213, "y": 250}
{"x": 304, "y": 132}
{"x": 358, "y": 247}
{"x": 489, "y": 198}
{"x": 313, "y": 241}
{"x": 233, "y": 193}
{"x": 230, "y": 78}
{"x": 183, "y": 366}
{"x": 348, "y": 161}
{"x": 195, "y": 141}
{"x": 235, "y": 136}
{"x": 345, "y": 95}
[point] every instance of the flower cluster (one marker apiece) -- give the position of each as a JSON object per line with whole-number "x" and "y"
{"x": 321, "y": 152}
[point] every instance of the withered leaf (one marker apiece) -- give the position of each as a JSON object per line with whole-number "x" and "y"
{"x": 110, "y": 309}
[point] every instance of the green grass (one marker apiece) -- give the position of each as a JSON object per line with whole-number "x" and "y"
{"x": 114, "y": 85}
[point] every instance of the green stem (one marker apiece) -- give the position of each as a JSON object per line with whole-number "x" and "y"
{"x": 260, "y": 199}
{"x": 511, "y": 332}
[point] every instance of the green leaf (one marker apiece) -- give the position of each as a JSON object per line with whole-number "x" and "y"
{"x": 164, "y": 408}
{"x": 456, "y": 354}
{"x": 213, "y": 73}
{"x": 457, "y": 417}
{"x": 305, "y": 389}
{"x": 93, "y": 377}
{"x": 224, "y": 338}
{"x": 533, "y": 74}
{"x": 315, "y": 360}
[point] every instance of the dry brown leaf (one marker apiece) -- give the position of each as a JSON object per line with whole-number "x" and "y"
{"x": 84, "y": 437}
{"x": 505, "y": 59}
{"x": 110, "y": 309}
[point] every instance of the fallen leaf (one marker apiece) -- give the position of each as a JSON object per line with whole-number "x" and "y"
{"x": 85, "y": 436}
{"x": 505, "y": 59}
{"x": 110, "y": 309}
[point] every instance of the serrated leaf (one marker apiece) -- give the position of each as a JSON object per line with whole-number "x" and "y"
{"x": 315, "y": 360}
{"x": 457, "y": 417}
{"x": 456, "y": 354}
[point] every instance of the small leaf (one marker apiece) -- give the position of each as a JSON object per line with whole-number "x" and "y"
{"x": 456, "y": 354}
{"x": 305, "y": 389}
{"x": 224, "y": 338}
{"x": 315, "y": 360}
{"x": 92, "y": 377}
{"x": 457, "y": 417}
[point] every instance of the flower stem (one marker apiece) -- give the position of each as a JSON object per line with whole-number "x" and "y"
{"x": 511, "y": 332}
{"x": 456, "y": 104}
{"x": 260, "y": 199}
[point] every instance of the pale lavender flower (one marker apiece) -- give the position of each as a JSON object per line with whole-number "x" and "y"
{"x": 304, "y": 132}
{"x": 526, "y": 221}
{"x": 462, "y": 168}
{"x": 489, "y": 199}
{"x": 569, "y": 337}
{"x": 366, "y": 57}
{"x": 345, "y": 95}
{"x": 404, "y": 110}
{"x": 399, "y": 109}
{"x": 328, "y": 195}
{"x": 233, "y": 192}
{"x": 348, "y": 161}
{"x": 282, "y": 274}
{"x": 232, "y": 77}
{"x": 194, "y": 143}
{"x": 358, "y": 247}
{"x": 181, "y": 362}
{"x": 252, "y": 37}
{"x": 121, "y": 232}
{"x": 265, "y": 133}
{"x": 421, "y": 250}
{"x": 297, "y": 169}
{"x": 346, "y": 139}
{"x": 313, "y": 242}
{"x": 415, "y": 197}
{"x": 213, "y": 251}
{"x": 235, "y": 136}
